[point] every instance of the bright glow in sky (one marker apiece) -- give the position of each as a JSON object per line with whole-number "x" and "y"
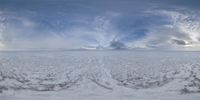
{"x": 2, "y": 45}
{"x": 74, "y": 24}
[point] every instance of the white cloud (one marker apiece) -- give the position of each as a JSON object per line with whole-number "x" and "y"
{"x": 104, "y": 32}
{"x": 100, "y": 30}
{"x": 186, "y": 23}
{"x": 2, "y": 28}
{"x": 181, "y": 27}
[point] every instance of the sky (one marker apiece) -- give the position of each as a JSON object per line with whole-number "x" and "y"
{"x": 75, "y": 24}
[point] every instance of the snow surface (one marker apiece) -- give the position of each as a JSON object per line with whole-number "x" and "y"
{"x": 99, "y": 75}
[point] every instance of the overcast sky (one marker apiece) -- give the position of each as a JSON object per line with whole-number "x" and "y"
{"x": 73, "y": 24}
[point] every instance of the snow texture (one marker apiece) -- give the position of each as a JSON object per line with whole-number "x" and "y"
{"x": 99, "y": 75}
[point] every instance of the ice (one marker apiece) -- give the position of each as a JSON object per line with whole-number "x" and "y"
{"x": 97, "y": 75}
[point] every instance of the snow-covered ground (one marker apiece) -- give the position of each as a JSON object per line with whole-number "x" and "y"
{"x": 99, "y": 75}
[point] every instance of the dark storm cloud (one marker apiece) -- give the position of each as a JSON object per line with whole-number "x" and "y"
{"x": 179, "y": 42}
{"x": 116, "y": 44}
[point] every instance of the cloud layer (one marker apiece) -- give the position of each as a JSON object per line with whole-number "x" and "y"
{"x": 75, "y": 24}
{"x": 181, "y": 32}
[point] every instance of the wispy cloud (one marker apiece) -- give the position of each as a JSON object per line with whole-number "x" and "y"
{"x": 22, "y": 32}
{"x": 75, "y": 24}
{"x": 182, "y": 31}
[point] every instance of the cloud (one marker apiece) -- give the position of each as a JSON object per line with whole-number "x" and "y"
{"x": 75, "y": 24}
{"x": 23, "y": 32}
{"x": 188, "y": 24}
{"x": 179, "y": 42}
{"x": 116, "y": 44}
{"x": 181, "y": 32}
{"x": 2, "y": 28}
